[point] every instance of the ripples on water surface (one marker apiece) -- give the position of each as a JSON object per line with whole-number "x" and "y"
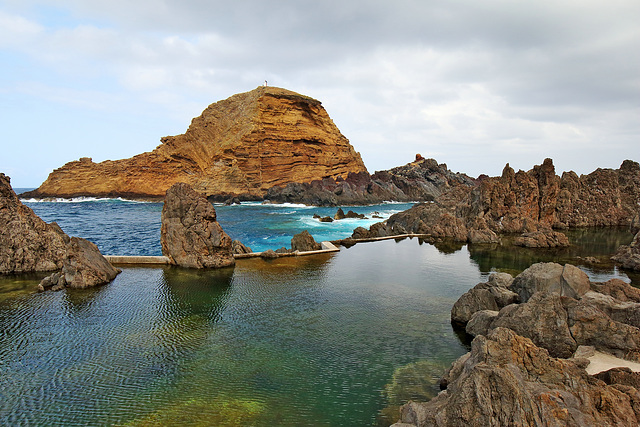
{"x": 309, "y": 341}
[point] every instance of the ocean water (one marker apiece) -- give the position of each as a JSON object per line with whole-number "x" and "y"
{"x": 309, "y": 341}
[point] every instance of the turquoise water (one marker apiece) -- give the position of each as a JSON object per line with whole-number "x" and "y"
{"x": 309, "y": 341}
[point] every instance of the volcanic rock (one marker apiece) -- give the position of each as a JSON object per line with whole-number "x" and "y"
{"x": 629, "y": 256}
{"x": 243, "y": 145}
{"x": 304, "y": 242}
{"x": 238, "y": 248}
{"x": 507, "y": 380}
{"x": 566, "y": 280}
{"x": 27, "y": 243}
{"x": 190, "y": 234}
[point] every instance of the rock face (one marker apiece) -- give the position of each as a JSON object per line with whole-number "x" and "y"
{"x": 421, "y": 180}
{"x": 190, "y": 234}
{"x": 27, "y": 244}
{"x": 243, "y": 145}
{"x": 507, "y": 380}
{"x": 529, "y": 203}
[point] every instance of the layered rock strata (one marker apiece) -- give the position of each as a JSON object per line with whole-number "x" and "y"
{"x": 28, "y": 244}
{"x": 190, "y": 234}
{"x": 243, "y": 145}
{"x": 520, "y": 370}
{"x": 535, "y": 203}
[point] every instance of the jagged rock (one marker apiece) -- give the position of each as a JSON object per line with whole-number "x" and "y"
{"x": 339, "y": 214}
{"x": 629, "y": 256}
{"x": 238, "y": 248}
{"x": 352, "y": 214}
{"x": 325, "y": 219}
{"x": 27, "y": 243}
{"x": 304, "y": 242}
{"x": 565, "y": 280}
{"x": 283, "y": 250}
{"x": 621, "y": 311}
{"x": 232, "y": 201}
{"x": 422, "y": 180}
{"x": 507, "y": 380}
{"x": 190, "y": 234}
{"x": 243, "y": 145}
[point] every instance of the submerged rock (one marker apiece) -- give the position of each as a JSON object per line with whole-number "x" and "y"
{"x": 190, "y": 234}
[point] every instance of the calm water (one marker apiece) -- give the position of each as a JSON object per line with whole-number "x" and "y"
{"x": 310, "y": 341}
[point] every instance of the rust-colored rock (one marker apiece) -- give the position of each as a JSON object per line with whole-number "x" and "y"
{"x": 239, "y": 146}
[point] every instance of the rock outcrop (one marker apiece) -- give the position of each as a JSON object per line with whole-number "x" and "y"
{"x": 28, "y": 244}
{"x": 533, "y": 203}
{"x": 304, "y": 242}
{"x": 507, "y": 380}
{"x": 559, "y": 310}
{"x": 190, "y": 235}
{"x": 421, "y": 180}
{"x": 629, "y": 256}
{"x": 243, "y": 145}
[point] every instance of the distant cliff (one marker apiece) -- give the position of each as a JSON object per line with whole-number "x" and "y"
{"x": 243, "y": 145}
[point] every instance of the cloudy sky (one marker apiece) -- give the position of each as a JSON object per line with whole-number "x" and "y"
{"x": 474, "y": 84}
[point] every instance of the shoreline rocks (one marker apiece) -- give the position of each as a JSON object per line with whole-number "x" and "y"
{"x": 629, "y": 256}
{"x": 526, "y": 365}
{"x": 190, "y": 235}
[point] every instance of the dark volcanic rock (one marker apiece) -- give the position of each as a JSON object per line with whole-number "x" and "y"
{"x": 421, "y": 180}
{"x": 304, "y": 242}
{"x": 507, "y": 380}
{"x": 190, "y": 234}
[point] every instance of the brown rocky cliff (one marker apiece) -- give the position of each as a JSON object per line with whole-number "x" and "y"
{"x": 242, "y": 145}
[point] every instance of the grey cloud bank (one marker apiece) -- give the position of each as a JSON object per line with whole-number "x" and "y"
{"x": 472, "y": 84}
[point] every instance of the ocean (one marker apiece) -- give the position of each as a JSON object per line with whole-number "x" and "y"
{"x": 328, "y": 340}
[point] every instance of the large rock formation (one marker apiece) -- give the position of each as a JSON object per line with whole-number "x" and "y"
{"x": 245, "y": 144}
{"x": 27, "y": 244}
{"x": 507, "y": 380}
{"x": 421, "y": 180}
{"x": 530, "y": 202}
{"x": 190, "y": 235}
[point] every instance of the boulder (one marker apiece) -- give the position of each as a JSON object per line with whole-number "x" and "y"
{"x": 542, "y": 319}
{"x": 304, "y": 242}
{"x": 507, "y": 380}
{"x": 622, "y": 375}
{"x": 339, "y": 214}
{"x": 621, "y": 311}
{"x": 190, "y": 234}
{"x": 551, "y": 277}
{"x": 481, "y": 322}
{"x": 492, "y": 295}
{"x": 269, "y": 254}
{"x": 83, "y": 267}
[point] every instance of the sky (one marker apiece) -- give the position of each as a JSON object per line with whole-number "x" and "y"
{"x": 473, "y": 84}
